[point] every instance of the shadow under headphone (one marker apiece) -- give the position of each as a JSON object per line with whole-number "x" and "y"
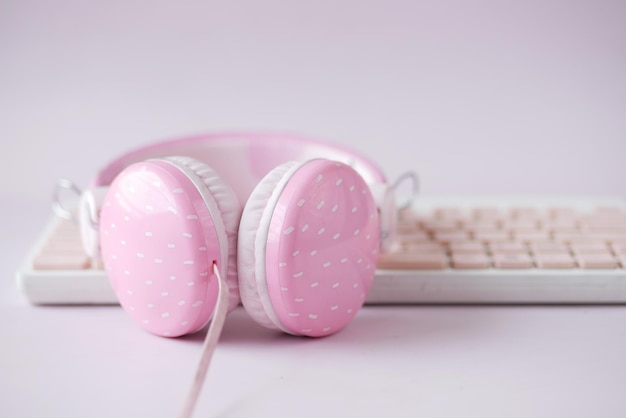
{"x": 291, "y": 223}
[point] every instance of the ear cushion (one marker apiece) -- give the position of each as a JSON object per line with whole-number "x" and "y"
{"x": 247, "y": 259}
{"x": 308, "y": 245}
{"x": 230, "y": 210}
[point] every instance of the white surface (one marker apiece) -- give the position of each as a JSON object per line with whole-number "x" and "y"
{"x": 481, "y": 97}
{"x": 401, "y": 362}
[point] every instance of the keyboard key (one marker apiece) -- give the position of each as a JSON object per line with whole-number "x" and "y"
{"x": 548, "y": 247}
{"x": 407, "y": 216}
{"x": 616, "y": 230}
{"x": 530, "y": 236}
{"x": 67, "y": 261}
{"x": 590, "y": 248}
{"x": 596, "y": 261}
{"x": 524, "y": 213}
{"x": 508, "y": 248}
{"x": 603, "y": 224}
{"x": 524, "y": 225}
{"x": 451, "y": 213}
{"x": 413, "y": 237}
{"x": 424, "y": 248}
{"x": 482, "y": 225}
{"x": 440, "y": 225}
{"x": 412, "y": 261}
{"x": 562, "y": 214}
{"x": 561, "y": 228}
{"x": 469, "y": 247}
{"x": 491, "y": 236}
{"x": 470, "y": 261}
{"x": 406, "y": 228}
{"x": 63, "y": 246}
{"x": 512, "y": 261}
{"x": 555, "y": 261}
{"x": 487, "y": 213}
{"x": 449, "y": 237}
{"x": 605, "y": 237}
{"x": 569, "y": 237}
{"x": 609, "y": 212}
{"x": 66, "y": 229}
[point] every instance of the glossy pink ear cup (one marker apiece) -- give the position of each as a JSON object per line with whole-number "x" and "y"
{"x": 162, "y": 226}
{"x": 308, "y": 246}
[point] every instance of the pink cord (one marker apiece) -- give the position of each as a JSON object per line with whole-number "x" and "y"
{"x": 210, "y": 343}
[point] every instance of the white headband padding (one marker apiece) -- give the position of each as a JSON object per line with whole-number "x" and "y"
{"x": 230, "y": 210}
{"x": 252, "y": 229}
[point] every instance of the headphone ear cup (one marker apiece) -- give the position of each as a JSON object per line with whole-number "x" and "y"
{"x": 163, "y": 224}
{"x": 308, "y": 246}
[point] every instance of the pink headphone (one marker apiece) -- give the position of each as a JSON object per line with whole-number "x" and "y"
{"x": 300, "y": 254}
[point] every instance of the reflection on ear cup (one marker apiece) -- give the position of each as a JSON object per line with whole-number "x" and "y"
{"x": 308, "y": 266}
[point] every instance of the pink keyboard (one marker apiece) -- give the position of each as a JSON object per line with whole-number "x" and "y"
{"x": 518, "y": 238}
{"x": 447, "y": 250}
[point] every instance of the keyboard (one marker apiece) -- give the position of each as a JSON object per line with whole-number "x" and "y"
{"x": 453, "y": 250}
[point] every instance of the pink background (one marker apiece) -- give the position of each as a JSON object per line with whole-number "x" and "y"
{"x": 480, "y": 97}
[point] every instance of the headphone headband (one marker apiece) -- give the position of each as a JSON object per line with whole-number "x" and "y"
{"x": 243, "y": 159}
